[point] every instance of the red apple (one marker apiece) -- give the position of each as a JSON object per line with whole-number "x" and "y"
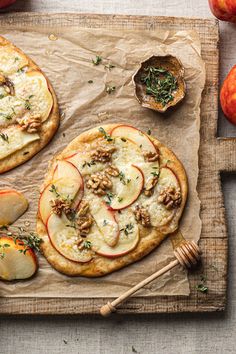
{"x": 228, "y": 96}
{"x": 224, "y": 10}
{"x": 6, "y": 3}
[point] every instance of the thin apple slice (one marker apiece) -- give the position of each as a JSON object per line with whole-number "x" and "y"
{"x": 12, "y": 205}
{"x": 105, "y": 220}
{"x": 161, "y": 216}
{"x": 15, "y": 263}
{"x": 61, "y": 188}
{"x": 128, "y": 239}
{"x": 66, "y": 169}
{"x": 127, "y": 188}
{"x": 83, "y": 162}
{"x": 149, "y": 170}
{"x": 64, "y": 238}
{"x": 136, "y": 135}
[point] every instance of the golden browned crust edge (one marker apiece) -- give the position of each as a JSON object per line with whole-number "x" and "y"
{"x": 49, "y": 127}
{"x": 149, "y": 240}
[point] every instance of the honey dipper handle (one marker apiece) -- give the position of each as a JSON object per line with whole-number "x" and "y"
{"x": 110, "y": 307}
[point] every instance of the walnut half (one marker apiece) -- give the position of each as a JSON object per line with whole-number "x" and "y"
{"x": 170, "y": 197}
{"x": 30, "y": 123}
{"x": 59, "y": 206}
{"x": 84, "y": 219}
{"x": 103, "y": 153}
{"x": 99, "y": 183}
{"x": 142, "y": 216}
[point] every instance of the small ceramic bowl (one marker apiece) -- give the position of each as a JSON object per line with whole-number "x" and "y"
{"x": 171, "y": 64}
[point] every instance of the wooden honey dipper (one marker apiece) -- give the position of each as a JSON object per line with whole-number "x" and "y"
{"x": 187, "y": 254}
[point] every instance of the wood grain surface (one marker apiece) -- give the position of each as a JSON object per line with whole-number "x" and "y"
{"x": 216, "y": 155}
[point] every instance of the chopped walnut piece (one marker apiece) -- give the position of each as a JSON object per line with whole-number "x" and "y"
{"x": 170, "y": 197}
{"x": 151, "y": 183}
{"x": 99, "y": 183}
{"x": 7, "y": 84}
{"x": 151, "y": 156}
{"x": 30, "y": 123}
{"x": 59, "y": 206}
{"x": 84, "y": 224}
{"x": 112, "y": 171}
{"x": 142, "y": 216}
{"x": 83, "y": 208}
{"x": 103, "y": 153}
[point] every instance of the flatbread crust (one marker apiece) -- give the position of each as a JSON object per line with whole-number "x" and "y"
{"x": 150, "y": 238}
{"x": 49, "y": 127}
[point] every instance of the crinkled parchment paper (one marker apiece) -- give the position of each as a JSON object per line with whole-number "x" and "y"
{"x": 67, "y": 63}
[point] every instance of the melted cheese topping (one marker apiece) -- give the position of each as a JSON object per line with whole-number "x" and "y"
{"x": 13, "y": 139}
{"x": 11, "y": 60}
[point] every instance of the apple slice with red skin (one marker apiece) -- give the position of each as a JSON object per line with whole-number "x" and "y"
{"x": 15, "y": 263}
{"x": 128, "y": 238}
{"x": 66, "y": 169}
{"x": 12, "y": 205}
{"x": 127, "y": 190}
{"x": 65, "y": 189}
{"x": 161, "y": 216}
{"x": 105, "y": 220}
{"x": 137, "y": 136}
{"x": 65, "y": 239}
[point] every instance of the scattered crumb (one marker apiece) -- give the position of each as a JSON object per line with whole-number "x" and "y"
{"x": 65, "y": 341}
{"x": 134, "y": 350}
{"x": 52, "y": 37}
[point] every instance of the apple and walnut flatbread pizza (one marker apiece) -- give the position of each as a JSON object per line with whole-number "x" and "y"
{"x": 108, "y": 200}
{"x": 29, "y": 114}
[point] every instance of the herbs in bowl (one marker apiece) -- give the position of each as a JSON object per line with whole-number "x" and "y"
{"x": 159, "y": 83}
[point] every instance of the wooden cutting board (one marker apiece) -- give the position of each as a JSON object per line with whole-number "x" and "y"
{"x": 217, "y": 155}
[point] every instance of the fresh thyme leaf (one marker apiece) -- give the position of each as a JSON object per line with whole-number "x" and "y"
{"x": 28, "y": 105}
{"x": 120, "y": 199}
{"x": 202, "y": 288}
{"x": 123, "y": 139}
{"x": 104, "y": 222}
{"x": 90, "y": 81}
{"x": 106, "y": 136}
{"x": 89, "y": 164}
{"x": 87, "y": 244}
{"x": 149, "y": 132}
{"x": 4, "y": 137}
{"x": 7, "y": 116}
{"x": 155, "y": 174}
{"x": 110, "y": 89}
{"x": 97, "y": 60}
{"x": 109, "y": 197}
{"x": 160, "y": 84}
{"x": 30, "y": 96}
{"x": 128, "y": 229}
{"x": 109, "y": 66}
{"x": 2, "y": 96}
{"x": 54, "y": 190}
{"x": 20, "y": 71}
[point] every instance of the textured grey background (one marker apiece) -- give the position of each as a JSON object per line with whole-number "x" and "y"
{"x": 179, "y": 334}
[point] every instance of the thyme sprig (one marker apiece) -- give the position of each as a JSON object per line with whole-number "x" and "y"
{"x": 160, "y": 84}
{"x": 28, "y": 238}
{"x": 97, "y": 60}
{"x": 128, "y": 229}
{"x": 105, "y": 134}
